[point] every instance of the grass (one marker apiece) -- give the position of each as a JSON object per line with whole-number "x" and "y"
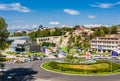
{"x": 80, "y": 69}
{"x": 10, "y": 53}
{"x": 90, "y": 67}
{"x": 34, "y": 53}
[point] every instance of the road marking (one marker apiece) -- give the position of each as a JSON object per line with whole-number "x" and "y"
{"x": 42, "y": 80}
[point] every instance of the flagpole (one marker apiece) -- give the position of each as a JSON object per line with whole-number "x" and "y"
{"x": 111, "y": 64}
{"x": 87, "y": 57}
{"x": 85, "y": 63}
{"x": 85, "y": 69}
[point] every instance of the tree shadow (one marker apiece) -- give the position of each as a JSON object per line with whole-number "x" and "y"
{"x": 19, "y": 74}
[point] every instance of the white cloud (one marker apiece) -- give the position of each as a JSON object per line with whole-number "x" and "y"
{"x": 35, "y": 26}
{"x": 119, "y": 2}
{"x": 19, "y": 27}
{"x": 54, "y": 23}
{"x": 14, "y": 7}
{"x": 91, "y": 16}
{"x": 64, "y": 26}
{"x": 71, "y": 12}
{"x": 105, "y": 5}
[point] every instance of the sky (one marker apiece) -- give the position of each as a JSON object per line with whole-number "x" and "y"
{"x": 28, "y": 14}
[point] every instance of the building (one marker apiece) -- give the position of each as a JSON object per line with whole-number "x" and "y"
{"x": 32, "y": 47}
{"x": 82, "y": 31}
{"x": 24, "y": 45}
{"x": 106, "y": 44}
{"x": 11, "y": 39}
{"x": 53, "y": 39}
{"x": 18, "y": 45}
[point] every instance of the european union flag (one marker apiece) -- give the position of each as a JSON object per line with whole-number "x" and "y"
{"x": 99, "y": 47}
{"x": 114, "y": 53}
{"x": 63, "y": 53}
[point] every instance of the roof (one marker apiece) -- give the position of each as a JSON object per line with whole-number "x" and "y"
{"x": 19, "y": 38}
{"x": 19, "y": 41}
{"x": 111, "y": 36}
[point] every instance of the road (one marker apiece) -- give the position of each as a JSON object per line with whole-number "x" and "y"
{"x": 41, "y": 75}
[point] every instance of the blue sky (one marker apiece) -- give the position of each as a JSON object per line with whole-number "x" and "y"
{"x": 31, "y": 13}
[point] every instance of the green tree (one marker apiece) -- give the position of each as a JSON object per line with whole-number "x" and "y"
{"x": 70, "y": 42}
{"x": 60, "y": 41}
{"x": 33, "y": 35}
{"x": 20, "y": 34}
{"x": 48, "y": 44}
{"x": 99, "y": 33}
{"x": 105, "y": 29}
{"x": 3, "y": 34}
{"x": 113, "y": 30}
{"x": 3, "y": 37}
{"x": 57, "y": 32}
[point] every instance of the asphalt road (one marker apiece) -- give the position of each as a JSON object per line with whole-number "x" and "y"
{"x": 42, "y": 75}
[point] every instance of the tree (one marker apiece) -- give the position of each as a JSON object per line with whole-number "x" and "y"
{"x": 70, "y": 42}
{"x": 33, "y": 35}
{"x": 48, "y": 44}
{"x": 113, "y": 30}
{"x": 105, "y": 29}
{"x": 60, "y": 41}
{"x": 99, "y": 33}
{"x": 57, "y": 32}
{"x": 3, "y": 37}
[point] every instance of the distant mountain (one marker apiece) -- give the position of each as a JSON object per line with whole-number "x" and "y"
{"x": 13, "y": 30}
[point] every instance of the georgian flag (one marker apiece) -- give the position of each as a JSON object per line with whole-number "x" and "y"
{"x": 88, "y": 55}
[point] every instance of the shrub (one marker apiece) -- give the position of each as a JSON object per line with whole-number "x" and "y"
{"x": 53, "y": 65}
{"x": 115, "y": 66}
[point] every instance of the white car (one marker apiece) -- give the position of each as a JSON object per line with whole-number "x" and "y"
{"x": 96, "y": 57}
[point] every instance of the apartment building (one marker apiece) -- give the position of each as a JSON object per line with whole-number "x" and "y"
{"x": 106, "y": 44}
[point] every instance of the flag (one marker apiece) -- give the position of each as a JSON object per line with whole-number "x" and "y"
{"x": 54, "y": 49}
{"x": 43, "y": 50}
{"x": 63, "y": 53}
{"x": 88, "y": 55}
{"x": 47, "y": 51}
{"x": 99, "y": 47}
{"x": 114, "y": 53}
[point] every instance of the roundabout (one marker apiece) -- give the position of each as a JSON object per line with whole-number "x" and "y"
{"x": 86, "y": 68}
{"x": 46, "y": 75}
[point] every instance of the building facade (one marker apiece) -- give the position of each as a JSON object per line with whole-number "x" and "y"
{"x": 105, "y": 44}
{"x": 53, "y": 39}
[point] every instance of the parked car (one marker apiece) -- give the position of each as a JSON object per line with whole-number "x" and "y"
{"x": 39, "y": 58}
{"x": 35, "y": 58}
{"x": 11, "y": 75}
{"x": 96, "y": 57}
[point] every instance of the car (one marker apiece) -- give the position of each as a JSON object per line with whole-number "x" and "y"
{"x": 39, "y": 58}
{"x": 11, "y": 75}
{"x": 96, "y": 57}
{"x": 35, "y": 58}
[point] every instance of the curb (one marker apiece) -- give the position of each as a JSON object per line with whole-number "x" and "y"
{"x": 74, "y": 74}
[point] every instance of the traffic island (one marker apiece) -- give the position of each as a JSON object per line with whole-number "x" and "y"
{"x": 98, "y": 68}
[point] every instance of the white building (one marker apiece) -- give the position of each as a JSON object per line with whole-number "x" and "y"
{"x": 18, "y": 44}
{"x": 106, "y": 44}
{"x": 53, "y": 39}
